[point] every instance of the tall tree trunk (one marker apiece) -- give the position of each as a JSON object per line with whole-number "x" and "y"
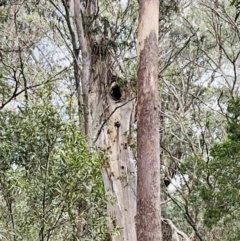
{"x": 86, "y": 64}
{"x": 109, "y": 115}
{"x": 148, "y": 147}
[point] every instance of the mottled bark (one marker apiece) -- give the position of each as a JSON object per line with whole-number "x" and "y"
{"x": 119, "y": 175}
{"x": 108, "y": 127}
{"x": 148, "y": 150}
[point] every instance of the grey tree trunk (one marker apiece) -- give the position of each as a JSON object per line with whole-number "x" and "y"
{"x": 86, "y": 64}
{"x": 109, "y": 113}
{"x": 148, "y": 147}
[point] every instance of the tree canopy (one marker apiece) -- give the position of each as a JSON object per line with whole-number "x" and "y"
{"x": 68, "y": 119}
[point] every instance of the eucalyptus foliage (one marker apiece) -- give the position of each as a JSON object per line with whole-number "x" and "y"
{"x": 50, "y": 182}
{"x": 212, "y": 188}
{"x": 222, "y": 194}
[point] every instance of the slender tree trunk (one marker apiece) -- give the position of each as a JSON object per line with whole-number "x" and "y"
{"x": 148, "y": 149}
{"x": 86, "y": 64}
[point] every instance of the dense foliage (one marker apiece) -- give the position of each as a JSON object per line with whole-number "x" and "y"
{"x": 222, "y": 193}
{"x": 50, "y": 183}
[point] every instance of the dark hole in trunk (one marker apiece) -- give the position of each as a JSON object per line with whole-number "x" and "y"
{"x": 115, "y": 93}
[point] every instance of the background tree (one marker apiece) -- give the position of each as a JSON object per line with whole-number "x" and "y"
{"x": 197, "y": 93}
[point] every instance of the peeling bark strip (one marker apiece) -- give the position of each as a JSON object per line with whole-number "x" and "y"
{"x": 148, "y": 156}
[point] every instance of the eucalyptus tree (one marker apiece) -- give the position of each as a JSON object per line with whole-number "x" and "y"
{"x": 148, "y": 152}
{"x": 106, "y": 38}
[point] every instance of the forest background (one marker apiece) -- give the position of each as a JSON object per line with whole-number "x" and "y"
{"x": 68, "y": 144}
